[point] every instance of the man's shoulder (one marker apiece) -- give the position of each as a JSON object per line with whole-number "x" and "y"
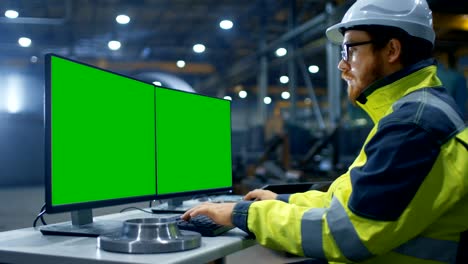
{"x": 431, "y": 109}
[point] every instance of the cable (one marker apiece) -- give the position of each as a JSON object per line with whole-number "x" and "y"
{"x": 40, "y": 216}
{"x": 136, "y": 208}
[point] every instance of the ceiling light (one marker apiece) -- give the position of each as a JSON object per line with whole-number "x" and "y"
{"x": 11, "y": 14}
{"x": 122, "y": 19}
{"x": 114, "y": 45}
{"x": 242, "y": 94}
{"x": 157, "y": 83}
{"x": 199, "y": 48}
{"x": 24, "y": 42}
{"x": 281, "y": 52}
{"x": 227, "y": 97}
{"x": 180, "y": 63}
{"x": 284, "y": 79}
{"x": 226, "y": 24}
{"x": 285, "y": 95}
{"x": 314, "y": 68}
{"x": 267, "y": 100}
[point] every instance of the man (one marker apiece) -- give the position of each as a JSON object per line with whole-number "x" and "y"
{"x": 404, "y": 199}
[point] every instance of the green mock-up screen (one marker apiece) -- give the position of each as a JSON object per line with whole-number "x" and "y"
{"x": 102, "y": 135}
{"x": 193, "y": 142}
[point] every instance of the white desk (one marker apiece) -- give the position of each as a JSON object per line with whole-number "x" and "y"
{"x": 29, "y": 245}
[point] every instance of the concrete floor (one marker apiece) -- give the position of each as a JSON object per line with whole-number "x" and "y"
{"x": 20, "y": 205}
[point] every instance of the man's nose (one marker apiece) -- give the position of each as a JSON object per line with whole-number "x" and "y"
{"x": 343, "y": 65}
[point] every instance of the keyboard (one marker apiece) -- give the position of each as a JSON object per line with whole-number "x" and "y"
{"x": 227, "y": 198}
{"x": 203, "y": 225}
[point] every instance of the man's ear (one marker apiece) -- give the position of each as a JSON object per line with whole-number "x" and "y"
{"x": 393, "y": 50}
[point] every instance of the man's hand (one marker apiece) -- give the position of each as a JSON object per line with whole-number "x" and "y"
{"x": 220, "y": 212}
{"x": 259, "y": 195}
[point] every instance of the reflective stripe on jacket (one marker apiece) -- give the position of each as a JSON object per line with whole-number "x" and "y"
{"x": 403, "y": 200}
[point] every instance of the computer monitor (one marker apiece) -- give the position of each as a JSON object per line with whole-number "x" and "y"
{"x": 193, "y": 144}
{"x": 99, "y": 141}
{"x": 111, "y": 139}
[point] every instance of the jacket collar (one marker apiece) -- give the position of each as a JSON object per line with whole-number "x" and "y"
{"x": 380, "y": 95}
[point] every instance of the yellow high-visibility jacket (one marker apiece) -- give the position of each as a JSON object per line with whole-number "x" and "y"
{"x": 403, "y": 200}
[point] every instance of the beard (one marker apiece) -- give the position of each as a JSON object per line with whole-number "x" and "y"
{"x": 360, "y": 81}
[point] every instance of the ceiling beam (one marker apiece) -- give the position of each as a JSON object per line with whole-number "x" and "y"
{"x": 169, "y": 66}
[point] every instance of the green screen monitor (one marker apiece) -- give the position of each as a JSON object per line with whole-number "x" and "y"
{"x": 111, "y": 139}
{"x": 193, "y": 144}
{"x": 99, "y": 138}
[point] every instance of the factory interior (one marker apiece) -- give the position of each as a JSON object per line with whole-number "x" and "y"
{"x": 291, "y": 121}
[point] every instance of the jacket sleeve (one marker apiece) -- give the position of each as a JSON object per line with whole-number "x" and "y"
{"x": 274, "y": 223}
{"x": 285, "y": 226}
{"x": 311, "y": 198}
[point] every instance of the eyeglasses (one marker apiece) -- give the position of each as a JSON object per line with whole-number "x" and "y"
{"x": 345, "y": 48}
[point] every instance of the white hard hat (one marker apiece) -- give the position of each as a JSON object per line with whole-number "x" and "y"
{"x": 413, "y": 16}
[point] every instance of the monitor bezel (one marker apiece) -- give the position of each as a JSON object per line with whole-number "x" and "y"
{"x": 206, "y": 191}
{"x": 50, "y": 208}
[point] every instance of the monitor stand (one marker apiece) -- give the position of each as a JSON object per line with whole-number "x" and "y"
{"x": 177, "y": 205}
{"x": 82, "y": 225}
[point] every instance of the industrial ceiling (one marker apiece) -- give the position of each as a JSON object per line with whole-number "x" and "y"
{"x": 162, "y": 32}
